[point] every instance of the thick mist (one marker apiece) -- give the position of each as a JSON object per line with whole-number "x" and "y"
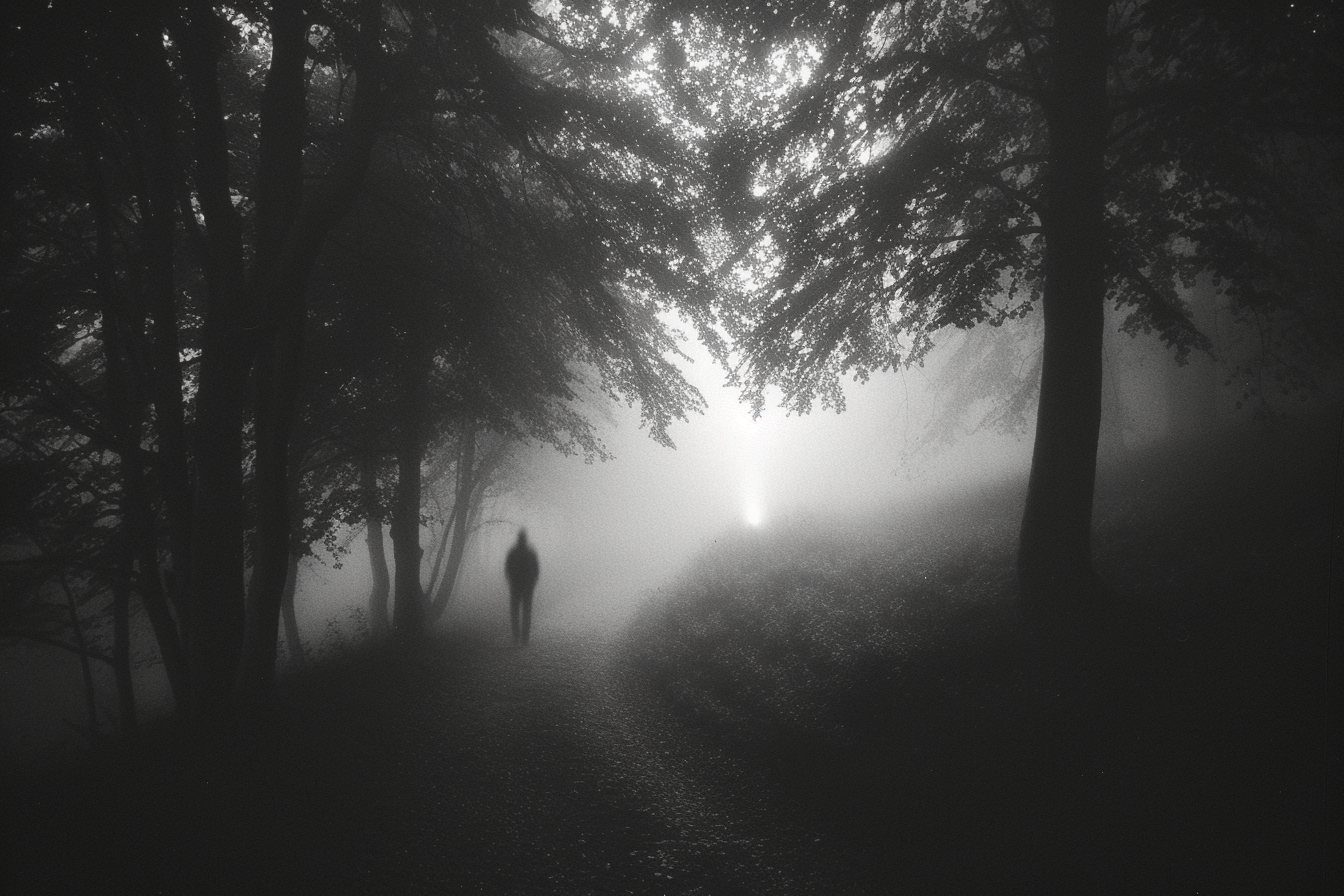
{"x": 609, "y": 532}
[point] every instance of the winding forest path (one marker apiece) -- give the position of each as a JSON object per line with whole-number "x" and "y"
{"x": 462, "y": 765}
{"x": 547, "y": 770}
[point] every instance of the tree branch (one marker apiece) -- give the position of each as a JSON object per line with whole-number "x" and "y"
{"x": 935, "y": 62}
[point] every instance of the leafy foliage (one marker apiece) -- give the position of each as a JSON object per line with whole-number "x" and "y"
{"x": 513, "y": 208}
{"x": 894, "y": 185}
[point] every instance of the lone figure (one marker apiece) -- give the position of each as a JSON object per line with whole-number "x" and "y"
{"x": 521, "y": 568}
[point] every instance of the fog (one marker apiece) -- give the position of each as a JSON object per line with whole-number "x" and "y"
{"x": 609, "y": 532}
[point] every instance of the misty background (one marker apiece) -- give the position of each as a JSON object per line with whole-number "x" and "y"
{"x": 613, "y": 533}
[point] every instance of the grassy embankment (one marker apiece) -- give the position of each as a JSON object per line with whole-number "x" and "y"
{"x": 878, "y": 667}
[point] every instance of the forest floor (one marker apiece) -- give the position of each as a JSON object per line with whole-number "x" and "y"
{"x": 1173, "y": 739}
{"x": 806, "y": 711}
{"x": 457, "y": 765}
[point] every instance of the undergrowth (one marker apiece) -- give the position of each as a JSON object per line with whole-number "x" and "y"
{"x": 878, "y": 665}
{"x": 802, "y": 627}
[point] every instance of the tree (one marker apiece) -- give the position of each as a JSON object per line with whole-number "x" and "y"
{"x": 105, "y": 81}
{"x": 483, "y": 472}
{"x": 494, "y": 279}
{"x": 504, "y": 259}
{"x": 74, "y": 397}
{"x": 59, "y": 558}
{"x": 919, "y": 165}
{"x": 217, "y": 150}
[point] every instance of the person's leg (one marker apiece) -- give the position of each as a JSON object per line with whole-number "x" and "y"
{"x": 514, "y": 598}
{"x": 527, "y": 616}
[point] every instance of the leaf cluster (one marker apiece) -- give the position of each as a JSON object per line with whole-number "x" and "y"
{"x": 892, "y": 186}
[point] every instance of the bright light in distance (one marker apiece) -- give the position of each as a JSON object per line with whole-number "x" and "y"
{"x": 755, "y": 516}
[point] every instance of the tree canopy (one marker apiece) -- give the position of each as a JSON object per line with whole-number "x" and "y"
{"x": 261, "y": 260}
{"x": 236, "y": 232}
{"x": 916, "y": 166}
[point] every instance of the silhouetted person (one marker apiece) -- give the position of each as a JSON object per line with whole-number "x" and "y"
{"x": 521, "y": 568}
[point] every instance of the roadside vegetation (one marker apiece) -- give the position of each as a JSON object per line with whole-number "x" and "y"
{"x": 878, "y": 665}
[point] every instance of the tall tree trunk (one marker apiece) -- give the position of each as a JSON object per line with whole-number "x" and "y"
{"x": 408, "y": 598}
{"x": 381, "y": 592}
{"x": 1193, "y": 390}
{"x": 464, "y": 501}
{"x": 1114, "y": 415}
{"x": 280, "y": 282}
{"x": 382, "y": 581}
{"x": 450, "y": 576}
{"x": 282, "y": 133}
{"x": 276, "y": 378}
{"x": 215, "y": 608}
{"x": 121, "y": 656}
{"x": 124, "y": 409}
{"x": 293, "y": 642}
{"x": 82, "y": 649}
{"x": 445, "y": 540}
{"x": 162, "y": 174}
{"x": 1055, "y": 556}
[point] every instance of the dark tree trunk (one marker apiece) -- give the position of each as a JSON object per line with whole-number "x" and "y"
{"x": 462, "y": 512}
{"x": 1193, "y": 394}
{"x": 1055, "y": 559}
{"x": 381, "y": 593}
{"x": 279, "y": 364}
{"x": 215, "y": 608}
{"x": 1114, "y": 415}
{"x": 408, "y": 598}
{"x": 82, "y": 649}
{"x": 125, "y": 412}
{"x": 449, "y": 584}
{"x": 276, "y": 377}
{"x": 298, "y": 231}
{"x": 445, "y": 540}
{"x": 382, "y": 582}
{"x": 121, "y": 657}
{"x": 162, "y": 174}
{"x": 215, "y": 628}
{"x": 293, "y": 643}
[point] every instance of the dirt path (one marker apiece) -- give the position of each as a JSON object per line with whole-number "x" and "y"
{"x": 548, "y": 770}
{"x": 459, "y": 766}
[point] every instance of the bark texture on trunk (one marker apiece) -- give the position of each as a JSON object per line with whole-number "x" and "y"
{"x": 1055, "y": 557}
